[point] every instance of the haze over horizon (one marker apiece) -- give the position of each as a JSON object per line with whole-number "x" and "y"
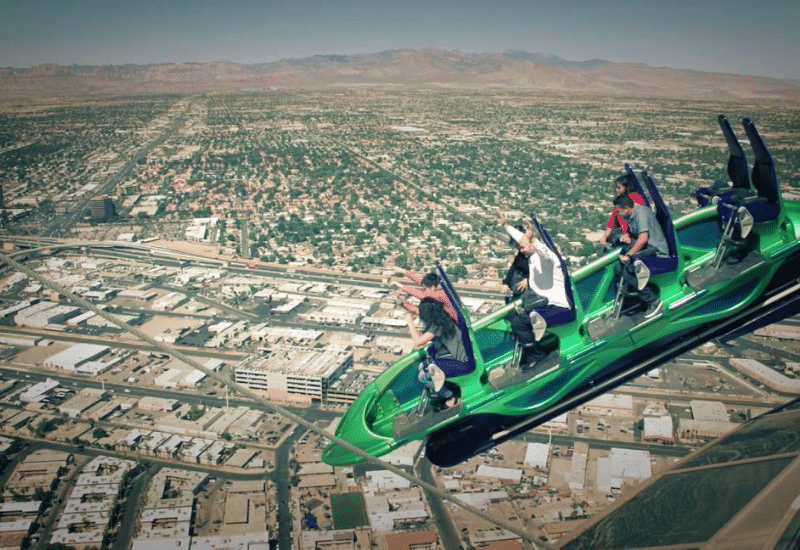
{"x": 716, "y": 36}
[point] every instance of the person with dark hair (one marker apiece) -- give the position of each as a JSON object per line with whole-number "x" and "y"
{"x": 436, "y": 323}
{"x": 648, "y": 240}
{"x": 616, "y": 233}
{"x": 430, "y": 289}
{"x": 518, "y": 271}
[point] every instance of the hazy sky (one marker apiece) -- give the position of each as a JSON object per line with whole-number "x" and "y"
{"x": 754, "y": 37}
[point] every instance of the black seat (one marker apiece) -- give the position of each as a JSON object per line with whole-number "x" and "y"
{"x": 638, "y": 184}
{"x": 657, "y": 264}
{"x": 739, "y": 184}
{"x": 766, "y": 205}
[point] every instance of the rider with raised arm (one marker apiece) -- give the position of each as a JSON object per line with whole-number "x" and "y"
{"x": 438, "y": 326}
{"x": 518, "y": 271}
{"x": 430, "y": 289}
{"x": 544, "y": 287}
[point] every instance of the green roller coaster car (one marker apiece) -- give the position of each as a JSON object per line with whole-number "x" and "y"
{"x": 729, "y": 261}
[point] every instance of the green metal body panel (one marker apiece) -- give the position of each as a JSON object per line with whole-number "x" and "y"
{"x": 369, "y": 422}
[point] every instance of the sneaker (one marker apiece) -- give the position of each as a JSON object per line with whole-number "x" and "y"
{"x": 538, "y": 324}
{"x": 653, "y": 309}
{"x": 642, "y": 274}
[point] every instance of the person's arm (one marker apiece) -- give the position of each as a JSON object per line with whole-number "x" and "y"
{"x": 411, "y": 291}
{"x": 414, "y": 277}
{"x": 612, "y": 219}
{"x": 641, "y": 242}
{"x": 408, "y": 306}
{"x": 513, "y": 232}
{"x": 415, "y": 292}
{"x": 606, "y": 235}
{"x": 418, "y": 339}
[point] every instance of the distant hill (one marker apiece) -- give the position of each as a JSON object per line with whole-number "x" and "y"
{"x": 426, "y": 67}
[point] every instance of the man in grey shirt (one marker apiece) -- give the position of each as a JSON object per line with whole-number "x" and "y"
{"x": 646, "y": 239}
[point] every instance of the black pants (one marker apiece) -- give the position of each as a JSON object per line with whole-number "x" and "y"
{"x": 625, "y": 270}
{"x": 522, "y": 328}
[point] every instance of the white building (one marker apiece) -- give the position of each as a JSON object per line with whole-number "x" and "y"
{"x": 19, "y": 341}
{"x": 617, "y": 404}
{"x": 658, "y": 428}
{"x": 19, "y": 306}
{"x": 768, "y": 376}
{"x": 380, "y": 481}
{"x": 86, "y": 399}
{"x": 45, "y": 313}
{"x": 335, "y": 314}
{"x": 84, "y": 520}
{"x": 196, "y": 233}
{"x": 536, "y": 455}
{"x": 250, "y": 541}
{"x": 482, "y": 500}
{"x": 295, "y": 374}
{"x": 396, "y": 510}
{"x": 511, "y": 475}
{"x": 169, "y": 301}
{"x": 577, "y": 473}
{"x": 622, "y": 464}
{"x": 37, "y": 392}
{"x": 75, "y": 356}
{"x": 709, "y": 420}
{"x": 157, "y": 404}
{"x": 288, "y": 335}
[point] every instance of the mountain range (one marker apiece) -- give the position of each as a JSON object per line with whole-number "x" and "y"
{"x": 510, "y": 70}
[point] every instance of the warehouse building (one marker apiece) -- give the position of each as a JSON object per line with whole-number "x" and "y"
{"x": 710, "y": 419}
{"x": 767, "y": 375}
{"x": 45, "y": 313}
{"x": 72, "y": 358}
{"x": 658, "y": 428}
{"x": 85, "y": 400}
{"x": 577, "y": 473}
{"x": 536, "y": 455}
{"x": 617, "y": 404}
{"x": 619, "y": 465}
{"x": 37, "y": 392}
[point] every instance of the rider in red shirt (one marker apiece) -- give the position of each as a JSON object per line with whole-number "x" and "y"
{"x": 616, "y": 233}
